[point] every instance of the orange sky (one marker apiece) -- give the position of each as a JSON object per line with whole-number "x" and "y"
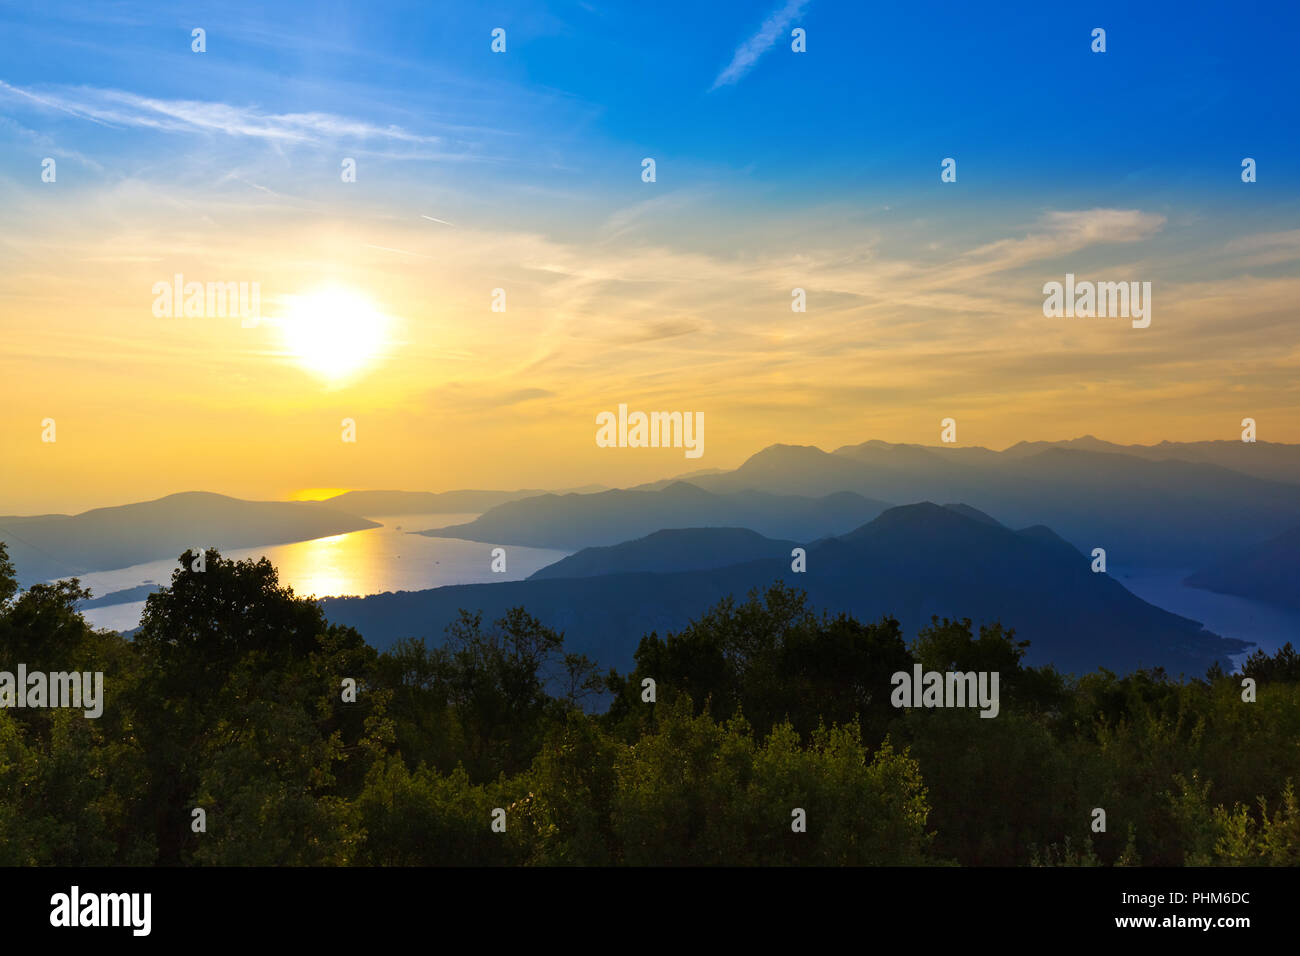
{"x": 456, "y": 395}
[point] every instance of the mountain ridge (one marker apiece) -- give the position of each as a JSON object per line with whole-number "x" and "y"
{"x": 572, "y": 522}
{"x": 910, "y": 562}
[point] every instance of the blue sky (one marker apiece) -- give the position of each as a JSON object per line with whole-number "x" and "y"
{"x": 1013, "y": 91}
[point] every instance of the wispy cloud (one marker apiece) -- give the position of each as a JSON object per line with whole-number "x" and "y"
{"x": 121, "y": 109}
{"x": 747, "y": 53}
{"x": 1058, "y": 233}
{"x": 627, "y": 219}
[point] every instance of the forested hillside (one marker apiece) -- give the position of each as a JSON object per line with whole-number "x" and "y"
{"x": 498, "y": 747}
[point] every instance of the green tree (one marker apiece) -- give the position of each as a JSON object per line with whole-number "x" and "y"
{"x": 241, "y": 707}
{"x": 773, "y": 658}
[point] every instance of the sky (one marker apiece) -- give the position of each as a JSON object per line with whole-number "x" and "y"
{"x": 522, "y": 171}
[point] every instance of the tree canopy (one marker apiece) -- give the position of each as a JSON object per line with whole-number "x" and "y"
{"x": 241, "y": 727}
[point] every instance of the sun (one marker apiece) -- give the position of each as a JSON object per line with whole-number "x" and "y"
{"x": 334, "y": 332}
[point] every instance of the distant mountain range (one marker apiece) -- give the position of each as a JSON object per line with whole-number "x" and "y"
{"x": 910, "y": 562}
{"x": 1267, "y": 572}
{"x": 1271, "y": 460}
{"x": 652, "y": 556}
{"x": 48, "y": 546}
{"x": 569, "y": 522}
{"x": 1144, "y": 509}
{"x": 368, "y": 503}
{"x": 1262, "y": 459}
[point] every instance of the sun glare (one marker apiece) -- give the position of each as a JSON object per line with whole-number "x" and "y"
{"x": 334, "y": 332}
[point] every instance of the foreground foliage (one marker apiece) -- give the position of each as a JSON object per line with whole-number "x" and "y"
{"x": 229, "y": 699}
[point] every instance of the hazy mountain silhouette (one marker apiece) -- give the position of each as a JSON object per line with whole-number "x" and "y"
{"x": 366, "y": 503}
{"x": 569, "y": 522}
{"x": 1272, "y": 460}
{"x": 684, "y": 476}
{"x": 677, "y": 549}
{"x": 910, "y": 562}
{"x": 1267, "y": 572}
{"x": 1142, "y": 511}
{"x": 48, "y": 546}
